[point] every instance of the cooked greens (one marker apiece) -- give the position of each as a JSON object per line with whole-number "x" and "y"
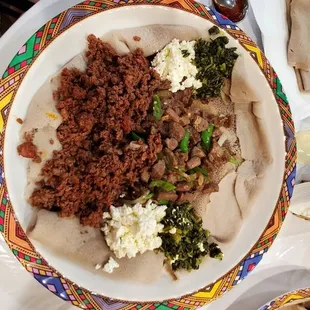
{"x": 214, "y": 62}
{"x": 185, "y": 53}
{"x": 214, "y": 30}
{"x": 184, "y": 241}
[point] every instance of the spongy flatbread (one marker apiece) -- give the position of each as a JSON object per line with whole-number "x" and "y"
{"x": 42, "y": 110}
{"x": 242, "y": 90}
{"x": 86, "y": 246}
{"x": 42, "y": 120}
{"x": 152, "y": 38}
{"x": 222, "y": 215}
{"x": 249, "y": 114}
{"x": 252, "y": 135}
{"x": 246, "y": 187}
{"x": 82, "y": 244}
{"x": 145, "y": 268}
{"x": 297, "y": 56}
{"x": 46, "y": 141}
{"x": 298, "y": 49}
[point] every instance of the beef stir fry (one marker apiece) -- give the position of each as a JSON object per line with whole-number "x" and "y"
{"x": 191, "y": 152}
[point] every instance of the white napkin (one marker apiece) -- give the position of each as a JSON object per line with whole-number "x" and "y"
{"x": 271, "y": 18}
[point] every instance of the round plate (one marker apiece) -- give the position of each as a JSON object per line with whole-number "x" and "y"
{"x": 288, "y": 298}
{"x": 61, "y": 39}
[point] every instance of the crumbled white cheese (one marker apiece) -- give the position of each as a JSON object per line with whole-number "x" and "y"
{"x": 201, "y": 247}
{"x": 133, "y": 230}
{"x": 175, "y": 259}
{"x": 98, "y": 266}
{"x": 110, "y": 265}
{"x": 172, "y": 231}
{"x": 171, "y": 64}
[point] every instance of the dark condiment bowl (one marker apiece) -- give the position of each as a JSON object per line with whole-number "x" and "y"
{"x": 235, "y": 10}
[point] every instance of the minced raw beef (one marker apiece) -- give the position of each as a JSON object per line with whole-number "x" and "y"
{"x": 100, "y": 108}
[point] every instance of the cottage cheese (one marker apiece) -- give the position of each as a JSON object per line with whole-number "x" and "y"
{"x": 132, "y": 230}
{"x": 171, "y": 64}
{"x": 110, "y": 265}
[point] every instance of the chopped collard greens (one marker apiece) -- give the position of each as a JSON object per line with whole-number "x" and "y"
{"x": 214, "y": 62}
{"x": 214, "y": 30}
{"x": 184, "y": 241}
{"x": 185, "y": 53}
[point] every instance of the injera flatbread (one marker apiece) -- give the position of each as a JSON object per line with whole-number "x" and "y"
{"x": 298, "y": 47}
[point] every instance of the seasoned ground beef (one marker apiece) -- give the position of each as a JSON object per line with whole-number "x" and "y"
{"x": 100, "y": 108}
{"x": 28, "y": 149}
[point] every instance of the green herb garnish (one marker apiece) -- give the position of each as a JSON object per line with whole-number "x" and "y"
{"x": 206, "y": 137}
{"x": 214, "y": 62}
{"x": 199, "y": 169}
{"x": 167, "y": 186}
{"x": 185, "y": 53}
{"x": 234, "y": 161}
{"x": 214, "y": 30}
{"x": 184, "y": 142}
{"x": 135, "y": 137}
{"x": 157, "y": 110}
{"x": 163, "y": 202}
{"x": 186, "y": 248}
{"x": 148, "y": 196}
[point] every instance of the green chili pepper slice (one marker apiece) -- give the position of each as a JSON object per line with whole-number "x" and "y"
{"x": 201, "y": 170}
{"x": 163, "y": 202}
{"x": 167, "y": 186}
{"x": 206, "y": 137}
{"x": 148, "y": 196}
{"x": 135, "y": 137}
{"x": 185, "y": 141}
{"x": 157, "y": 110}
{"x": 234, "y": 161}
